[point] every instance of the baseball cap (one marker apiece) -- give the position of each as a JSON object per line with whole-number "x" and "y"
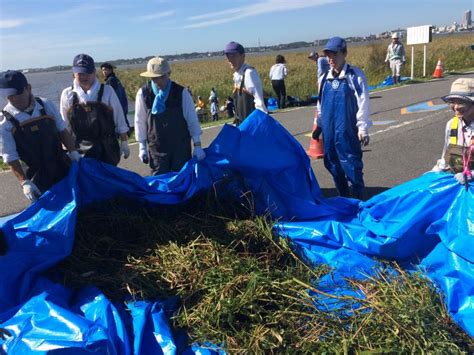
{"x": 462, "y": 88}
{"x": 12, "y": 82}
{"x": 336, "y": 44}
{"x": 83, "y": 63}
{"x": 234, "y": 47}
{"x": 156, "y": 67}
{"x": 395, "y": 35}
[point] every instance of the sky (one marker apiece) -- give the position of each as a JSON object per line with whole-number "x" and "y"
{"x": 44, "y": 33}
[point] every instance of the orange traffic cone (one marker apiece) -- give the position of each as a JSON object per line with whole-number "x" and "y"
{"x": 315, "y": 150}
{"x": 438, "y": 73}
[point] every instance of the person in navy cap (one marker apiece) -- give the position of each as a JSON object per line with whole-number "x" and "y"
{"x": 32, "y": 131}
{"x": 343, "y": 118}
{"x": 94, "y": 114}
{"x": 248, "y": 90}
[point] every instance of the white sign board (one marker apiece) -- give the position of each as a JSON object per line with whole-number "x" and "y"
{"x": 418, "y": 35}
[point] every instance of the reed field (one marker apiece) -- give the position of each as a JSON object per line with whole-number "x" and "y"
{"x": 202, "y": 75}
{"x": 242, "y": 287}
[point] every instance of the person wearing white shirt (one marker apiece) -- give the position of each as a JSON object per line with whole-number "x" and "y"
{"x": 343, "y": 119}
{"x": 458, "y": 150}
{"x": 31, "y": 130}
{"x": 248, "y": 90}
{"x": 395, "y": 57}
{"x": 93, "y": 113}
{"x": 278, "y": 73}
{"x": 165, "y": 121}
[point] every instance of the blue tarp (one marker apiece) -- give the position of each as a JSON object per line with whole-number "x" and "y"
{"x": 388, "y": 81}
{"x": 427, "y": 221}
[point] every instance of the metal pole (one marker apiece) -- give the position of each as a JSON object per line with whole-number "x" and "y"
{"x": 412, "y": 61}
{"x": 424, "y": 60}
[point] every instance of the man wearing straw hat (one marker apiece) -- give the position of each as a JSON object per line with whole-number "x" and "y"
{"x": 165, "y": 121}
{"x": 396, "y": 57}
{"x": 458, "y": 150}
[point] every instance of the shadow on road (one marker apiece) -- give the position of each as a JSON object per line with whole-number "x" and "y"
{"x": 369, "y": 192}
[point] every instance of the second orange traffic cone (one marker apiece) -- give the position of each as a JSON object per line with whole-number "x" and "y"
{"x": 316, "y": 150}
{"x": 438, "y": 73}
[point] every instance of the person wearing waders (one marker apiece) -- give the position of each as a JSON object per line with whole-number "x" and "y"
{"x": 248, "y": 91}
{"x": 458, "y": 150}
{"x": 165, "y": 121}
{"x": 32, "y": 131}
{"x": 343, "y": 119}
{"x": 93, "y": 113}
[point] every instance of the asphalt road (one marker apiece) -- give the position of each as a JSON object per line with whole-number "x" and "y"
{"x": 402, "y": 146}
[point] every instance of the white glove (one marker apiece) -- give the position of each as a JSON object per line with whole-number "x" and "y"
{"x": 363, "y": 139}
{"x": 199, "y": 153}
{"x": 124, "y": 149}
{"x": 30, "y": 190}
{"x": 74, "y": 155}
{"x": 460, "y": 178}
{"x": 143, "y": 152}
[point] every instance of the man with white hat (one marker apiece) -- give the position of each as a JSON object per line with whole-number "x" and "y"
{"x": 458, "y": 150}
{"x": 94, "y": 114}
{"x": 32, "y": 130}
{"x": 395, "y": 57}
{"x": 165, "y": 121}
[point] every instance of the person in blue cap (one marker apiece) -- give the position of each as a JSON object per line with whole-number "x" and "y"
{"x": 94, "y": 114}
{"x": 343, "y": 119}
{"x": 32, "y": 131}
{"x": 248, "y": 90}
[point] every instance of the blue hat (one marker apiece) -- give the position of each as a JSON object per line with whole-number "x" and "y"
{"x": 234, "y": 47}
{"x": 12, "y": 82}
{"x": 336, "y": 44}
{"x": 83, "y": 63}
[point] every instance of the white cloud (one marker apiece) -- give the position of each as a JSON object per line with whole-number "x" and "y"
{"x": 11, "y": 23}
{"x": 262, "y": 7}
{"x": 155, "y": 16}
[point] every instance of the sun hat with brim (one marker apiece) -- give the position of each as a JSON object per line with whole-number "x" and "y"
{"x": 463, "y": 89}
{"x": 156, "y": 67}
{"x": 12, "y": 82}
{"x": 395, "y": 35}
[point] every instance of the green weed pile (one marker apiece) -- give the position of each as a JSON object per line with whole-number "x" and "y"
{"x": 245, "y": 289}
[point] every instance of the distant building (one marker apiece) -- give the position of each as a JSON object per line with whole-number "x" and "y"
{"x": 466, "y": 19}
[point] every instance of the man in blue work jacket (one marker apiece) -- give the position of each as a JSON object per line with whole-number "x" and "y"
{"x": 343, "y": 118}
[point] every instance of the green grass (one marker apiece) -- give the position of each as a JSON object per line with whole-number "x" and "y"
{"x": 244, "y": 288}
{"x": 202, "y": 75}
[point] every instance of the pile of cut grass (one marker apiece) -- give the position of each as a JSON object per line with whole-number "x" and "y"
{"x": 244, "y": 288}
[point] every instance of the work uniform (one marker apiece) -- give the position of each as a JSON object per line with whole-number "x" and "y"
{"x": 247, "y": 94}
{"x": 168, "y": 133}
{"x": 396, "y": 57}
{"x": 458, "y": 138}
{"x": 343, "y": 112}
{"x": 95, "y": 118}
{"x": 32, "y": 136}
